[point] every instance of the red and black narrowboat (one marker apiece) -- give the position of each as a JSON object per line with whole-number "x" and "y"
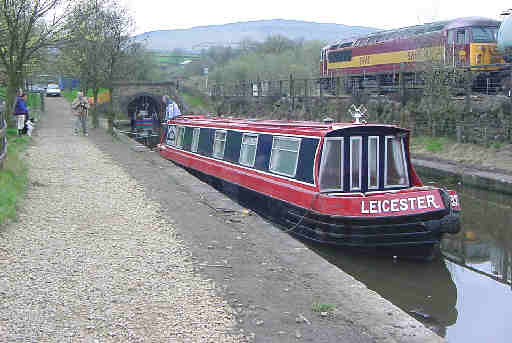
{"x": 347, "y": 184}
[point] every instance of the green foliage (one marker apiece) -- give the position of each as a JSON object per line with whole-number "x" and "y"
{"x": 322, "y": 307}
{"x": 69, "y": 95}
{"x": 13, "y": 177}
{"x": 432, "y": 144}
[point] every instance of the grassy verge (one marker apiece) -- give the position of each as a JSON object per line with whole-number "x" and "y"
{"x": 13, "y": 177}
{"x": 196, "y": 102}
{"x": 430, "y": 144}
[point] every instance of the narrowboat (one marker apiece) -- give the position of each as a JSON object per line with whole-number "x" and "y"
{"x": 345, "y": 184}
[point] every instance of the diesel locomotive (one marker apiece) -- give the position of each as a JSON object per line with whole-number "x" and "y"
{"x": 464, "y": 44}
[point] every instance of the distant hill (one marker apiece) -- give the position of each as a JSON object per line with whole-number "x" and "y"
{"x": 200, "y": 37}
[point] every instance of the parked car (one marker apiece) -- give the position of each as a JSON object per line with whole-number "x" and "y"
{"x": 36, "y": 88}
{"x": 52, "y": 90}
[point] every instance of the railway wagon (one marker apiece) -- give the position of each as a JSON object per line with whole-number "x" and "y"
{"x": 377, "y": 58}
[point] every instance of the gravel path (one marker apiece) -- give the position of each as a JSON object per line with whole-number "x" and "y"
{"x": 91, "y": 261}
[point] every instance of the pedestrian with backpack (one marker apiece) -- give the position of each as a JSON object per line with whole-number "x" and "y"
{"x": 80, "y": 109}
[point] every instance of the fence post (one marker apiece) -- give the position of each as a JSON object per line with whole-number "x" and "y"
{"x": 292, "y": 97}
{"x": 459, "y": 130}
{"x": 401, "y": 80}
{"x": 469, "y": 82}
{"x": 3, "y": 139}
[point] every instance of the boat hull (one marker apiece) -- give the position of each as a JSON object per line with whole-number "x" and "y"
{"x": 411, "y": 236}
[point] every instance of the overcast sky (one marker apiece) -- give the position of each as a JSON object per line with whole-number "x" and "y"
{"x": 151, "y": 15}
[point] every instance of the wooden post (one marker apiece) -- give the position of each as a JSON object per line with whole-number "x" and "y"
{"x": 468, "y": 83}
{"x": 459, "y": 133}
{"x": 292, "y": 97}
{"x": 402, "y": 83}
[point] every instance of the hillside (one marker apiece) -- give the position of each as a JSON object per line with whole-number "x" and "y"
{"x": 201, "y": 37}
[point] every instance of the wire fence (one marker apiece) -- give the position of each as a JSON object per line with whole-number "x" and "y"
{"x": 481, "y": 105}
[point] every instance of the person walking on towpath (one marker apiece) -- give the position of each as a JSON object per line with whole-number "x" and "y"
{"x": 80, "y": 109}
{"x": 21, "y": 112}
{"x": 171, "y": 109}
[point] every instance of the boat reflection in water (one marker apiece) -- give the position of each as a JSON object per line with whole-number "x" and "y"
{"x": 423, "y": 289}
{"x": 485, "y": 244}
{"x": 465, "y": 297}
{"x": 480, "y": 259}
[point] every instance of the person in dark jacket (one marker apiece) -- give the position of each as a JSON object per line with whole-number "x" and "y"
{"x": 21, "y": 112}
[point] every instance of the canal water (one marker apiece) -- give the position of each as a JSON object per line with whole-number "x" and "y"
{"x": 465, "y": 296}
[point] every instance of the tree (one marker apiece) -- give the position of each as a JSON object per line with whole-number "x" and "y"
{"x": 26, "y": 27}
{"x": 116, "y": 39}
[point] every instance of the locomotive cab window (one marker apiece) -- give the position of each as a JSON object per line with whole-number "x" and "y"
{"x": 484, "y": 34}
{"x": 395, "y": 168}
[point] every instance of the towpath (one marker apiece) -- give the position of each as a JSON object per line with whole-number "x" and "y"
{"x": 117, "y": 246}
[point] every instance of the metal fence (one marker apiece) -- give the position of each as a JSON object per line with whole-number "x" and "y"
{"x": 474, "y": 93}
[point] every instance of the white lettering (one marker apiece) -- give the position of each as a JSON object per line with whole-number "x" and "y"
{"x": 411, "y": 203}
{"x": 403, "y": 205}
{"x": 421, "y": 203}
{"x": 454, "y": 200}
{"x": 373, "y": 207}
{"x": 385, "y": 206}
{"x": 431, "y": 202}
{"x": 363, "y": 209}
{"x": 394, "y": 205}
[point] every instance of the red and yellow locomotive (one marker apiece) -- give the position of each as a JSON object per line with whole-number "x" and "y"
{"x": 468, "y": 43}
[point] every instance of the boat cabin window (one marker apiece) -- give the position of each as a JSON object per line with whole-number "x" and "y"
{"x": 180, "y": 136}
{"x": 373, "y": 162}
{"x": 248, "y": 149}
{"x": 395, "y": 173}
{"x": 356, "y": 148}
{"x": 219, "y": 144}
{"x": 484, "y": 34}
{"x": 285, "y": 155}
{"x": 195, "y": 139}
{"x": 171, "y": 135}
{"x": 330, "y": 177}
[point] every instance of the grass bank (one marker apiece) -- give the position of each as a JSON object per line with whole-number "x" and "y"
{"x": 495, "y": 156}
{"x": 13, "y": 176}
